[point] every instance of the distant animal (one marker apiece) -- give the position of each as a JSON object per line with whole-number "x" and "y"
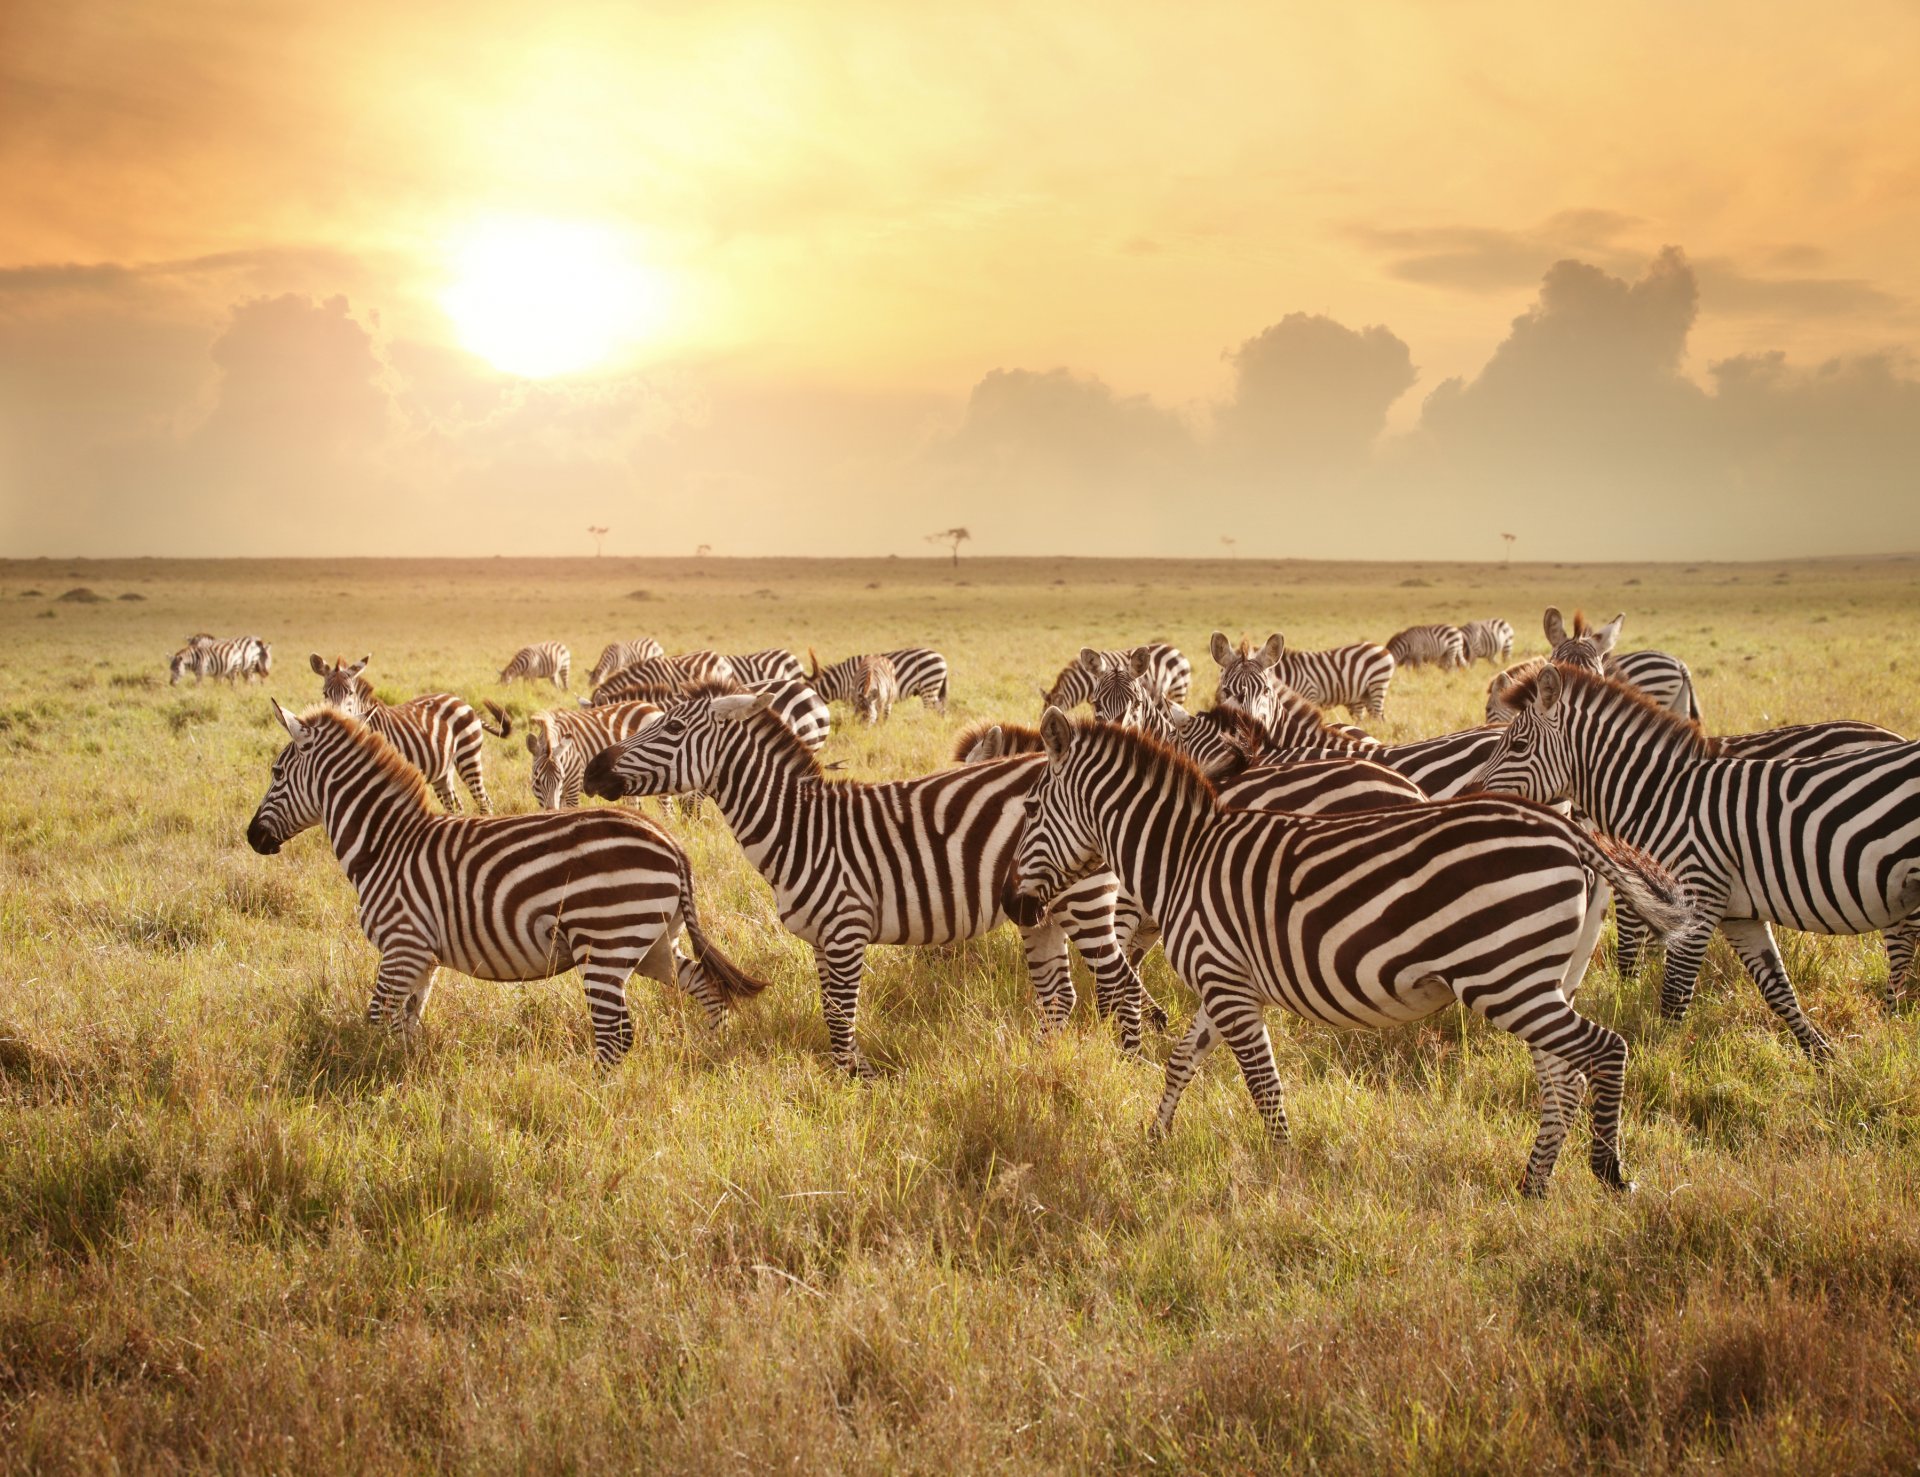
{"x": 519, "y": 897}
{"x": 1663, "y": 678}
{"x": 1166, "y": 670}
{"x": 665, "y": 675}
{"x": 922, "y": 673}
{"x": 1439, "y": 646}
{"x": 1354, "y": 677}
{"x": 563, "y": 740}
{"x": 620, "y": 654}
{"x": 1371, "y": 920}
{"x": 876, "y": 688}
{"x": 204, "y": 656}
{"x": 548, "y": 659}
{"x": 437, "y": 733}
{"x": 775, "y": 664}
{"x": 1491, "y": 638}
{"x": 1825, "y": 845}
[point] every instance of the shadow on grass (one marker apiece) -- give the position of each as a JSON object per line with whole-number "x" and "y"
{"x": 332, "y": 1055}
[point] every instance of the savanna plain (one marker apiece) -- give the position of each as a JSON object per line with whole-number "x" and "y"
{"x": 241, "y": 1230}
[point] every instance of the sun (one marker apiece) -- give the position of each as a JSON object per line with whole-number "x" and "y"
{"x": 541, "y": 297}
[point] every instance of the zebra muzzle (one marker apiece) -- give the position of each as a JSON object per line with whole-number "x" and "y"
{"x": 600, "y": 779}
{"x": 262, "y": 840}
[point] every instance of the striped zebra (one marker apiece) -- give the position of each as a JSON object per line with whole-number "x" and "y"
{"x": 437, "y": 733}
{"x": 921, "y": 670}
{"x": 775, "y": 664}
{"x": 203, "y": 656}
{"x": 1372, "y": 920}
{"x": 1280, "y": 718}
{"x": 520, "y": 897}
{"x": 1354, "y": 677}
{"x": 563, "y": 740}
{"x": 668, "y": 675}
{"x": 616, "y": 655}
{"x": 876, "y": 688}
{"x": 1166, "y": 670}
{"x": 1439, "y": 646}
{"x": 921, "y": 861}
{"x": 1661, "y": 677}
{"x": 1828, "y": 845}
{"x": 1247, "y": 681}
{"x": 549, "y": 659}
{"x": 1491, "y": 638}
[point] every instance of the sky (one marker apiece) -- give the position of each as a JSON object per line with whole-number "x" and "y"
{"x": 1369, "y": 280}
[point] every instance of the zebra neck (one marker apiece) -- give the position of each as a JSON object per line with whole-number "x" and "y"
{"x": 1147, "y": 845}
{"x": 1620, "y": 776}
{"x": 367, "y": 815}
{"x": 764, "y": 793}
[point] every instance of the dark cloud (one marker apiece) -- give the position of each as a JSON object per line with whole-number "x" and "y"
{"x": 1492, "y": 259}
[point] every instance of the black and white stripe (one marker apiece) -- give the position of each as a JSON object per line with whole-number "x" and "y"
{"x": 518, "y": 897}
{"x": 203, "y": 656}
{"x": 1828, "y": 845}
{"x": 1370, "y": 920}
{"x": 1353, "y": 677}
{"x": 437, "y": 733}
{"x": 548, "y": 659}
{"x": 1491, "y": 638}
{"x": 920, "y": 671}
{"x": 1429, "y": 646}
{"x": 659, "y": 677}
{"x": 775, "y": 664}
{"x": 564, "y": 740}
{"x": 922, "y": 861}
{"x": 615, "y": 656}
{"x": 1164, "y": 668}
{"x": 1663, "y": 678}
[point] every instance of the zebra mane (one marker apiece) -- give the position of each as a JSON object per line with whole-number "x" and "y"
{"x": 1019, "y": 738}
{"x": 1167, "y": 768}
{"x": 401, "y": 776}
{"x": 771, "y": 727}
{"x": 1620, "y": 694}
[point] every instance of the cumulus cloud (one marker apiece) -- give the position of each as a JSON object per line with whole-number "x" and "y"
{"x": 1310, "y": 396}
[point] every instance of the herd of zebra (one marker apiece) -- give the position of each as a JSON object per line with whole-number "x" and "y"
{"x": 1276, "y": 856}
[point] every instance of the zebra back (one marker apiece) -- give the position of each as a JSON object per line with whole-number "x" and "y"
{"x": 617, "y": 655}
{"x": 1430, "y": 645}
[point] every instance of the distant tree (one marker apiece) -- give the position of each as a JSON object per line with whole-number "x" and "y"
{"x": 599, "y": 536}
{"x": 1509, "y": 538}
{"x": 703, "y": 551}
{"x": 1227, "y": 541}
{"x": 954, "y": 536}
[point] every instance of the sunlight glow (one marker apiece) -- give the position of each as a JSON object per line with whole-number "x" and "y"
{"x": 544, "y": 297}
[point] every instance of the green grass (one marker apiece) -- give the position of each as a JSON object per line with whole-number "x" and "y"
{"x": 240, "y": 1230}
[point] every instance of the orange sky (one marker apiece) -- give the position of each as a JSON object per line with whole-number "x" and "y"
{"x": 772, "y": 257}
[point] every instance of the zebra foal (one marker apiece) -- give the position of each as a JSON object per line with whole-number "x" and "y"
{"x": 521, "y": 897}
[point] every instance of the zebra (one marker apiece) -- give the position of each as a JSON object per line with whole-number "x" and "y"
{"x": 521, "y": 897}
{"x": 1491, "y": 638}
{"x": 920, "y": 861}
{"x": 549, "y": 659}
{"x": 437, "y": 733}
{"x": 876, "y": 688}
{"x": 1279, "y": 717}
{"x": 921, "y": 670}
{"x": 1438, "y": 645}
{"x": 1661, "y": 677}
{"x": 204, "y": 656}
{"x": 775, "y": 664}
{"x": 1167, "y": 671}
{"x": 1246, "y": 676}
{"x": 563, "y": 740}
{"x": 1354, "y": 677}
{"x": 664, "y": 675}
{"x": 617, "y": 655}
{"x": 1373, "y": 920}
{"x": 1828, "y": 845}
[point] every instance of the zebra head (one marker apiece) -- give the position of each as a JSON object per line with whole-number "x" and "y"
{"x": 292, "y": 801}
{"x": 1060, "y": 842}
{"x": 1586, "y": 647}
{"x": 182, "y": 663}
{"x": 263, "y": 658}
{"x": 1246, "y": 676}
{"x": 1534, "y": 759}
{"x": 678, "y": 753}
{"x": 556, "y": 762}
{"x": 341, "y": 685}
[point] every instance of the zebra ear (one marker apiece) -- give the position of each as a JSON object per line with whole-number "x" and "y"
{"x": 1607, "y": 635}
{"x": 319, "y": 667}
{"x": 1141, "y": 663}
{"x": 1178, "y": 716}
{"x": 1270, "y": 653}
{"x": 990, "y": 745}
{"x": 1089, "y": 658}
{"x": 1221, "y": 648}
{"x": 1056, "y": 732}
{"x": 296, "y": 730}
{"x": 1554, "y": 625}
{"x": 1548, "y": 688}
{"x": 741, "y": 705}
{"x": 814, "y": 664}
{"x": 360, "y": 666}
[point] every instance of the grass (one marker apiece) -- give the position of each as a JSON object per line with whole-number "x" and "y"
{"x": 240, "y": 1230}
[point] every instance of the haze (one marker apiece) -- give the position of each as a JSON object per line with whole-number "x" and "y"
{"x": 1389, "y": 280}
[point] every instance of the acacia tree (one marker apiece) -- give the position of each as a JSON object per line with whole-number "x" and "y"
{"x": 1227, "y": 541}
{"x": 954, "y": 536}
{"x": 1509, "y": 538}
{"x": 599, "y": 533}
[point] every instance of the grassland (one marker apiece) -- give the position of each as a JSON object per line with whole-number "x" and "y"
{"x": 240, "y": 1231}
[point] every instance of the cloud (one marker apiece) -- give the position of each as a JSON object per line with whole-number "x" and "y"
{"x": 1310, "y": 393}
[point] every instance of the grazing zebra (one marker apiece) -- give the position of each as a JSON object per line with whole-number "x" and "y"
{"x": 1290, "y": 722}
{"x": 437, "y": 733}
{"x": 520, "y": 897}
{"x": 876, "y": 688}
{"x": 1420, "y": 646}
{"x": 921, "y": 861}
{"x": 775, "y": 664}
{"x": 1353, "y": 677}
{"x": 1491, "y": 638}
{"x": 203, "y": 656}
{"x": 1166, "y": 671}
{"x": 1828, "y": 845}
{"x": 1372, "y": 920}
{"x": 563, "y": 740}
{"x": 549, "y": 659}
{"x": 1661, "y": 677}
{"x": 617, "y": 655}
{"x": 670, "y": 676}
{"x": 922, "y": 673}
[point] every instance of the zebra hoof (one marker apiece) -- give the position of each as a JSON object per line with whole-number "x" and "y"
{"x": 1533, "y": 1187}
{"x": 1156, "y": 1016}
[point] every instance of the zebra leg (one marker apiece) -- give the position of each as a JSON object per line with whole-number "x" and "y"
{"x": 443, "y": 787}
{"x": 1200, "y": 1039}
{"x": 400, "y": 989}
{"x": 1087, "y": 910}
{"x": 1753, "y": 941}
{"x": 1686, "y": 952}
{"x": 1237, "y": 1018}
{"x": 1045, "y": 945}
{"x": 1561, "y": 1088}
{"x": 476, "y": 782}
{"x": 1136, "y": 935}
{"x": 1900, "y": 941}
{"x": 1577, "y": 1046}
{"x": 1630, "y": 938}
{"x": 606, "y": 983}
{"x": 841, "y": 961}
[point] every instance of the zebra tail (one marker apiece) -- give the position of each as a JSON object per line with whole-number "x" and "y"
{"x": 1649, "y": 888}
{"x": 735, "y": 983}
{"x": 500, "y": 715}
